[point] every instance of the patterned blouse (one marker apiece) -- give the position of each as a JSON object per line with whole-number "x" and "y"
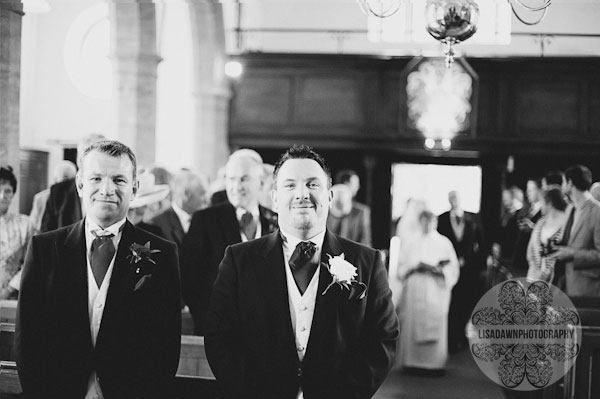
{"x": 14, "y": 235}
{"x": 540, "y": 267}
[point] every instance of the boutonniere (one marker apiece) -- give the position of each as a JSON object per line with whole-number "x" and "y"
{"x": 344, "y": 275}
{"x": 140, "y": 258}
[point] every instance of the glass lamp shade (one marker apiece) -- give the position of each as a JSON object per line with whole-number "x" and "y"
{"x": 451, "y": 22}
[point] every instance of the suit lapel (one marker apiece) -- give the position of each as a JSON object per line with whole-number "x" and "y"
{"x": 324, "y": 318}
{"x": 119, "y": 288}
{"x": 274, "y": 282}
{"x": 581, "y": 219}
{"x": 75, "y": 257}
{"x": 230, "y": 225}
{"x": 176, "y": 227}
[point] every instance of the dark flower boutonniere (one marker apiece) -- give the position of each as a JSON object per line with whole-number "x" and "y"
{"x": 143, "y": 264}
{"x": 344, "y": 275}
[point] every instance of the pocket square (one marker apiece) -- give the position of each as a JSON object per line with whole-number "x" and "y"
{"x": 145, "y": 280}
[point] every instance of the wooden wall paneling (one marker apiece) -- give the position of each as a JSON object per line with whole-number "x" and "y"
{"x": 544, "y": 109}
{"x": 594, "y": 109}
{"x": 263, "y": 98}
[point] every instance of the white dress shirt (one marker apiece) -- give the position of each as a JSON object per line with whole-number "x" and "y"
{"x": 184, "y": 218}
{"x": 97, "y": 296}
{"x": 239, "y": 212}
{"x": 302, "y": 306}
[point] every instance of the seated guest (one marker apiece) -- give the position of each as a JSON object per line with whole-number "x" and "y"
{"x": 546, "y": 233}
{"x": 14, "y": 235}
{"x": 99, "y": 309}
{"x": 429, "y": 268}
{"x": 265, "y": 194}
{"x": 65, "y": 170}
{"x": 345, "y": 219}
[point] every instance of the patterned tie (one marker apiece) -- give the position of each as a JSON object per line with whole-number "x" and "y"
{"x": 101, "y": 253}
{"x": 248, "y": 225}
{"x": 301, "y": 265}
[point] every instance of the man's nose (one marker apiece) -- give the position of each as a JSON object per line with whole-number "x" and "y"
{"x": 107, "y": 187}
{"x": 301, "y": 191}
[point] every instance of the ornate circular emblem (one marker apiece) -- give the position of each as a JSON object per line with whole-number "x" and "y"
{"x": 525, "y": 335}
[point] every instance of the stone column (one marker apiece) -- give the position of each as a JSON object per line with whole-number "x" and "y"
{"x": 11, "y": 14}
{"x": 135, "y": 59}
{"x": 211, "y": 88}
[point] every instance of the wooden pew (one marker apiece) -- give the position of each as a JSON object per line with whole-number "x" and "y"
{"x": 8, "y": 311}
{"x": 10, "y": 386}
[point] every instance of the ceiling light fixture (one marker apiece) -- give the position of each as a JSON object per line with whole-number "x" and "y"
{"x": 452, "y": 21}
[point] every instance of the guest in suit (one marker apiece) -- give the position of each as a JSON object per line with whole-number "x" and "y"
{"x": 213, "y": 229}
{"x": 347, "y": 220}
{"x": 98, "y": 313}
{"x": 64, "y": 170}
{"x": 64, "y": 206}
{"x": 466, "y": 234}
{"x": 359, "y": 211}
{"x": 580, "y": 252}
{"x": 279, "y": 325}
{"x": 188, "y": 195}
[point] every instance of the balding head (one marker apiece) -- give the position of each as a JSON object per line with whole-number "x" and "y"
{"x": 595, "y": 190}
{"x": 244, "y": 179}
{"x": 189, "y": 191}
{"x": 64, "y": 170}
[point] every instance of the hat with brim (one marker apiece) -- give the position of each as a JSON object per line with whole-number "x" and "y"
{"x": 148, "y": 192}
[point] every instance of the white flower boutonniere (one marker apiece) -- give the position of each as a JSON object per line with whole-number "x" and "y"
{"x": 344, "y": 275}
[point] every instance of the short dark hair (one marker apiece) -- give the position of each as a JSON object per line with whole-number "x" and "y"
{"x": 7, "y": 175}
{"x": 344, "y": 176}
{"x": 554, "y": 177}
{"x": 302, "y": 152}
{"x": 114, "y": 149}
{"x": 580, "y": 176}
{"x": 555, "y": 198}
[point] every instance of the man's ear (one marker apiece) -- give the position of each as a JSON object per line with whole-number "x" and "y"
{"x": 136, "y": 186}
{"x": 79, "y": 184}
{"x": 274, "y": 199}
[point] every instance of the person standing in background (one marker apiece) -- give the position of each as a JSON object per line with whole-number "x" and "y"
{"x": 15, "y": 231}
{"x": 359, "y": 211}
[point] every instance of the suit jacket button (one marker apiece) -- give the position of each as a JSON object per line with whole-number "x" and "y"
{"x": 299, "y": 372}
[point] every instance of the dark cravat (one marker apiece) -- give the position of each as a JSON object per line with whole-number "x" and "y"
{"x": 457, "y": 219}
{"x": 568, "y": 228}
{"x": 301, "y": 265}
{"x": 248, "y": 225}
{"x": 101, "y": 253}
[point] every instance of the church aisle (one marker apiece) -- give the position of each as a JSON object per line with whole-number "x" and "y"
{"x": 462, "y": 380}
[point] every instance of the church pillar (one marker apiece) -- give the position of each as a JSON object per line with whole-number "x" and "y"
{"x": 11, "y": 14}
{"x": 211, "y": 89}
{"x": 135, "y": 59}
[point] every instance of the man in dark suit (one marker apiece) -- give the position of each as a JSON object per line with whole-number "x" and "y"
{"x": 464, "y": 230}
{"x": 360, "y": 213}
{"x": 214, "y": 228}
{"x": 64, "y": 206}
{"x": 188, "y": 195}
{"x": 98, "y": 313}
{"x": 348, "y": 220}
{"x": 301, "y": 313}
{"x": 526, "y": 218}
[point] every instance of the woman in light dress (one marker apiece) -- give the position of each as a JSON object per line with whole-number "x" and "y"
{"x": 546, "y": 233}
{"x": 424, "y": 271}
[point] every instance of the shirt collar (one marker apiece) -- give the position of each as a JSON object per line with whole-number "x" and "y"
{"x": 115, "y": 228}
{"x": 291, "y": 241}
{"x": 458, "y": 212}
{"x": 240, "y": 211}
{"x": 181, "y": 214}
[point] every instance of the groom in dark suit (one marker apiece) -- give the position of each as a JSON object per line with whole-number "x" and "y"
{"x": 99, "y": 309}
{"x": 301, "y": 312}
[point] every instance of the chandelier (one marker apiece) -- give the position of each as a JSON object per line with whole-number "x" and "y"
{"x": 454, "y": 21}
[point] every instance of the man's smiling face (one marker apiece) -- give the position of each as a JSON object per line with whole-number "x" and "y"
{"x": 302, "y": 197}
{"x": 107, "y": 186}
